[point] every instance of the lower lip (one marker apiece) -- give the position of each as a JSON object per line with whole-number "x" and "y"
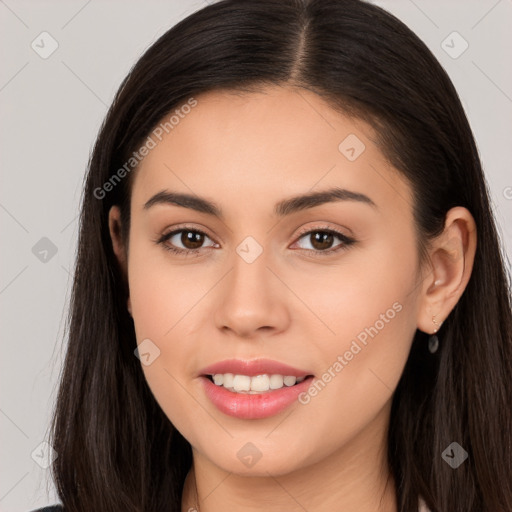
{"x": 249, "y": 407}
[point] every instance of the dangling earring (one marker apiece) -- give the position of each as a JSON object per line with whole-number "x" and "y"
{"x": 433, "y": 340}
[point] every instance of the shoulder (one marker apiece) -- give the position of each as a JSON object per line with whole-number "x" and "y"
{"x": 51, "y": 508}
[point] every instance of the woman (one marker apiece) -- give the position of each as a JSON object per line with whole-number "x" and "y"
{"x": 289, "y": 291}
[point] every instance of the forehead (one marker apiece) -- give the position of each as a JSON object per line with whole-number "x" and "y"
{"x": 265, "y": 145}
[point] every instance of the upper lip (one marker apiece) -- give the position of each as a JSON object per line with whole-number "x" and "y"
{"x": 253, "y": 367}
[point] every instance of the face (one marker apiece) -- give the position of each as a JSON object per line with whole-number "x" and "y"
{"x": 328, "y": 287}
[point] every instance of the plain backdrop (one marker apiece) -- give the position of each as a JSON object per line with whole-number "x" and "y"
{"x": 51, "y": 110}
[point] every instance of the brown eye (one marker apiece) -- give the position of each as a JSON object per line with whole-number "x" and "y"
{"x": 323, "y": 240}
{"x": 192, "y": 239}
{"x": 182, "y": 241}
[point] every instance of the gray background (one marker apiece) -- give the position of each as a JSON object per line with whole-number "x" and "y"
{"x": 51, "y": 111}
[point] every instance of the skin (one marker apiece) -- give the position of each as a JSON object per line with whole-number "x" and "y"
{"x": 246, "y": 152}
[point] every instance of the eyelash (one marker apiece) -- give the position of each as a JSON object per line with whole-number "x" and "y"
{"x": 346, "y": 241}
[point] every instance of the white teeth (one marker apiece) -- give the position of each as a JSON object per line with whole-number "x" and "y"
{"x": 290, "y": 381}
{"x": 253, "y": 385}
{"x": 228, "y": 380}
{"x": 260, "y": 383}
{"x": 242, "y": 383}
{"x": 276, "y": 381}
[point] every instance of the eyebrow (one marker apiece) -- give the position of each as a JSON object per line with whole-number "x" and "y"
{"x": 281, "y": 209}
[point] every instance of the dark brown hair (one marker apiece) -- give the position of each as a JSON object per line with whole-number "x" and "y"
{"x": 117, "y": 451}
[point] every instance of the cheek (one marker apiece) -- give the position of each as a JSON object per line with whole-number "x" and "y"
{"x": 163, "y": 298}
{"x": 162, "y": 293}
{"x": 362, "y": 320}
{"x": 370, "y": 288}
{"x": 360, "y": 364}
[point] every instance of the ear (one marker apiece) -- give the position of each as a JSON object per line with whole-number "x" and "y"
{"x": 114, "y": 225}
{"x": 451, "y": 263}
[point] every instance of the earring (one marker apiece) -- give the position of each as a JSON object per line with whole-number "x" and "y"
{"x": 433, "y": 340}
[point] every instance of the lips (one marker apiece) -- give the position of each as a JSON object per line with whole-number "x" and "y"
{"x": 253, "y": 367}
{"x": 253, "y": 407}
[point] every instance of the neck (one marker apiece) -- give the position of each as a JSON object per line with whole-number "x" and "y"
{"x": 355, "y": 477}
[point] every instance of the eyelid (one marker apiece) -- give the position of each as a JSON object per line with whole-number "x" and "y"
{"x": 323, "y": 227}
{"x": 185, "y": 227}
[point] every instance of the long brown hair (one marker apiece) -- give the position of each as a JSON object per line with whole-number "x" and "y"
{"x": 117, "y": 451}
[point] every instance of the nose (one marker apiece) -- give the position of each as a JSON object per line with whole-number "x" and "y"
{"x": 252, "y": 300}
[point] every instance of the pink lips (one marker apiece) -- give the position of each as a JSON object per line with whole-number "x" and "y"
{"x": 253, "y": 406}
